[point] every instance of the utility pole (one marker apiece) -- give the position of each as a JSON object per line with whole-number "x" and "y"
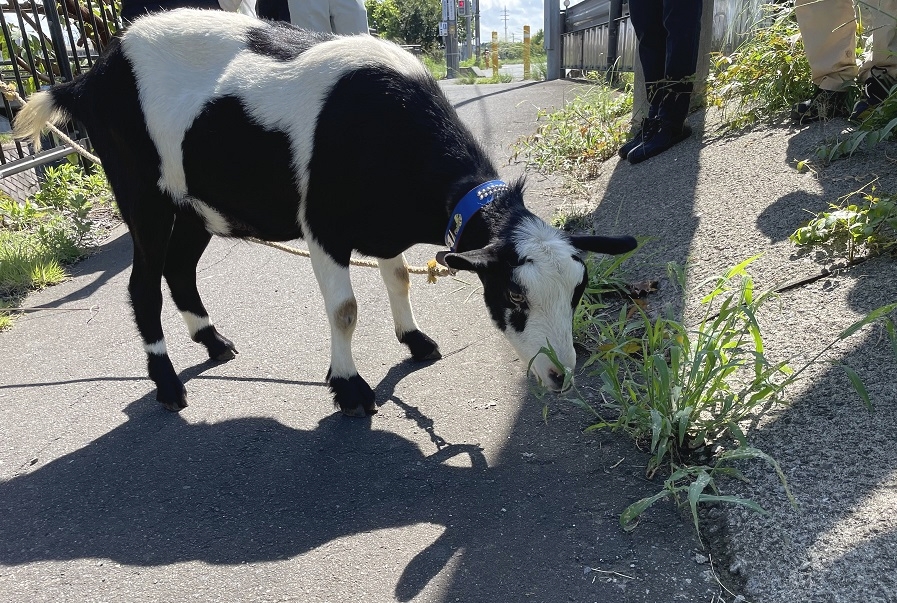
{"x": 476, "y": 5}
{"x": 448, "y": 29}
{"x": 504, "y": 17}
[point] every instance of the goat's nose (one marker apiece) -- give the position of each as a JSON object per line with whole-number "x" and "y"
{"x": 557, "y": 379}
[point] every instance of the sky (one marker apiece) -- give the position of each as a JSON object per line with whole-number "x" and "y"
{"x": 519, "y": 13}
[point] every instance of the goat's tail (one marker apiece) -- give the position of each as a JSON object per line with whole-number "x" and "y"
{"x": 40, "y": 110}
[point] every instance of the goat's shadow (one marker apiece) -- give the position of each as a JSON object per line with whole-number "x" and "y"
{"x": 158, "y": 490}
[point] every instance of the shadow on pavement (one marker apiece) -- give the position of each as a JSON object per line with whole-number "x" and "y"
{"x": 107, "y": 261}
{"x": 158, "y": 490}
{"x": 838, "y": 456}
{"x": 655, "y": 199}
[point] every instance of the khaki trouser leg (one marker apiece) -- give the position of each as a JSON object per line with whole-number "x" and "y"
{"x": 879, "y": 17}
{"x": 310, "y": 14}
{"x": 348, "y": 17}
{"x": 828, "y": 29}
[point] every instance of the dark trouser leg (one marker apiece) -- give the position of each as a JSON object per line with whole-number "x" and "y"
{"x": 189, "y": 238}
{"x": 675, "y": 25}
{"x": 647, "y": 17}
{"x": 682, "y": 21}
{"x": 668, "y": 32}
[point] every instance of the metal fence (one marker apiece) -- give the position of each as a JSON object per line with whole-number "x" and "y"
{"x": 42, "y": 43}
{"x": 598, "y": 36}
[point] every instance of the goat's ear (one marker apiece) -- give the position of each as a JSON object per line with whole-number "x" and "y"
{"x": 608, "y": 245}
{"x": 473, "y": 260}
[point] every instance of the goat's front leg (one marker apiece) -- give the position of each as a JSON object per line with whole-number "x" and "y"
{"x": 398, "y": 286}
{"x": 351, "y": 393}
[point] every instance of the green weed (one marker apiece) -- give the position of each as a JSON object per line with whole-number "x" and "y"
{"x": 50, "y": 229}
{"x": 685, "y": 393}
{"x": 766, "y": 74}
{"x": 586, "y": 132}
{"x": 852, "y": 229}
{"x": 501, "y": 78}
{"x": 26, "y": 263}
{"x": 877, "y": 127}
{"x": 435, "y": 64}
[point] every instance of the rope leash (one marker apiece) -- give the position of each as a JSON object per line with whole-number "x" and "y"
{"x": 432, "y": 269}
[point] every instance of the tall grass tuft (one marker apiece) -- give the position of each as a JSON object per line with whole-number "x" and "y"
{"x": 585, "y": 132}
{"x": 50, "y": 229}
{"x": 765, "y": 76}
{"x": 686, "y": 393}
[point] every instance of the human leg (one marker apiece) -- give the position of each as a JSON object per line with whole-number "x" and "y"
{"x": 646, "y": 17}
{"x": 310, "y": 14}
{"x": 348, "y": 17}
{"x": 828, "y": 30}
{"x": 878, "y": 73}
{"x": 681, "y": 22}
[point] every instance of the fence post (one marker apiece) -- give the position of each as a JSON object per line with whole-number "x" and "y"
{"x": 613, "y": 31}
{"x": 704, "y": 49}
{"x": 526, "y": 49}
{"x": 62, "y": 55}
{"x": 553, "y": 31}
{"x": 495, "y": 54}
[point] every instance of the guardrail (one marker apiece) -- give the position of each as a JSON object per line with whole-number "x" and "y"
{"x": 44, "y": 42}
{"x": 596, "y": 35}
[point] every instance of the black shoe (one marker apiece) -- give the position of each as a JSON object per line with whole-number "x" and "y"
{"x": 875, "y": 89}
{"x": 825, "y": 104}
{"x": 649, "y": 128}
{"x": 668, "y": 135}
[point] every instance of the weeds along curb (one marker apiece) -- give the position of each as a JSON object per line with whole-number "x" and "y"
{"x": 684, "y": 391}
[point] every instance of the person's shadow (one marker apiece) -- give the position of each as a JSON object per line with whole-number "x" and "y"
{"x": 158, "y": 490}
{"x": 142, "y": 493}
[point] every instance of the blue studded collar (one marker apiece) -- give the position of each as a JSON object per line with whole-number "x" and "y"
{"x": 470, "y": 204}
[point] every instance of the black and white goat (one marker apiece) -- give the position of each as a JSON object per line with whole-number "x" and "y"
{"x": 355, "y": 148}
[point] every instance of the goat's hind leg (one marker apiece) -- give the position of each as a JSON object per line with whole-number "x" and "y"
{"x": 398, "y": 286}
{"x": 189, "y": 239}
{"x": 150, "y": 223}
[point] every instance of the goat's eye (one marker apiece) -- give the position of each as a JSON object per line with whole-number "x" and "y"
{"x": 516, "y": 297}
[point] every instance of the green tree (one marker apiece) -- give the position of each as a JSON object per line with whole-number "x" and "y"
{"x": 538, "y": 41}
{"x": 406, "y": 21}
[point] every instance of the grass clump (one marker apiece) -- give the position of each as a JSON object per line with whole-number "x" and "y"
{"x": 435, "y": 64}
{"x": 584, "y": 133}
{"x": 877, "y": 127}
{"x": 765, "y": 76}
{"x": 867, "y": 227}
{"x": 686, "y": 394}
{"x": 54, "y": 227}
{"x": 473, "y": 78}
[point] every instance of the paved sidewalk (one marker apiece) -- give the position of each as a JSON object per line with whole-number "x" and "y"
{"x": 258, "y": 491}
{"x": 711, "y": 203}
{"x": 456, "y": 490}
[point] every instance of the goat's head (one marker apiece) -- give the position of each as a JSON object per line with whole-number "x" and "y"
{"x": 532, "y": 283}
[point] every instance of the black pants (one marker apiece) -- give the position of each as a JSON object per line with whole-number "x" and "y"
{"x": 276, "y": 10}
{"x": 668, "y": 32}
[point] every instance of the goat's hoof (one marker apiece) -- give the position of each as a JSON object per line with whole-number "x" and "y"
{"x": 352, "y": 395}
{"x": 224, "y": 355}
{"x": 422, "y": 348}
{"x": 220, "y": 348}
{"x": 174, "y": 402}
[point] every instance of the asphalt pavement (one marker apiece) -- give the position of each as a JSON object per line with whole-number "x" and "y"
{"x": 457, "y": 490}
